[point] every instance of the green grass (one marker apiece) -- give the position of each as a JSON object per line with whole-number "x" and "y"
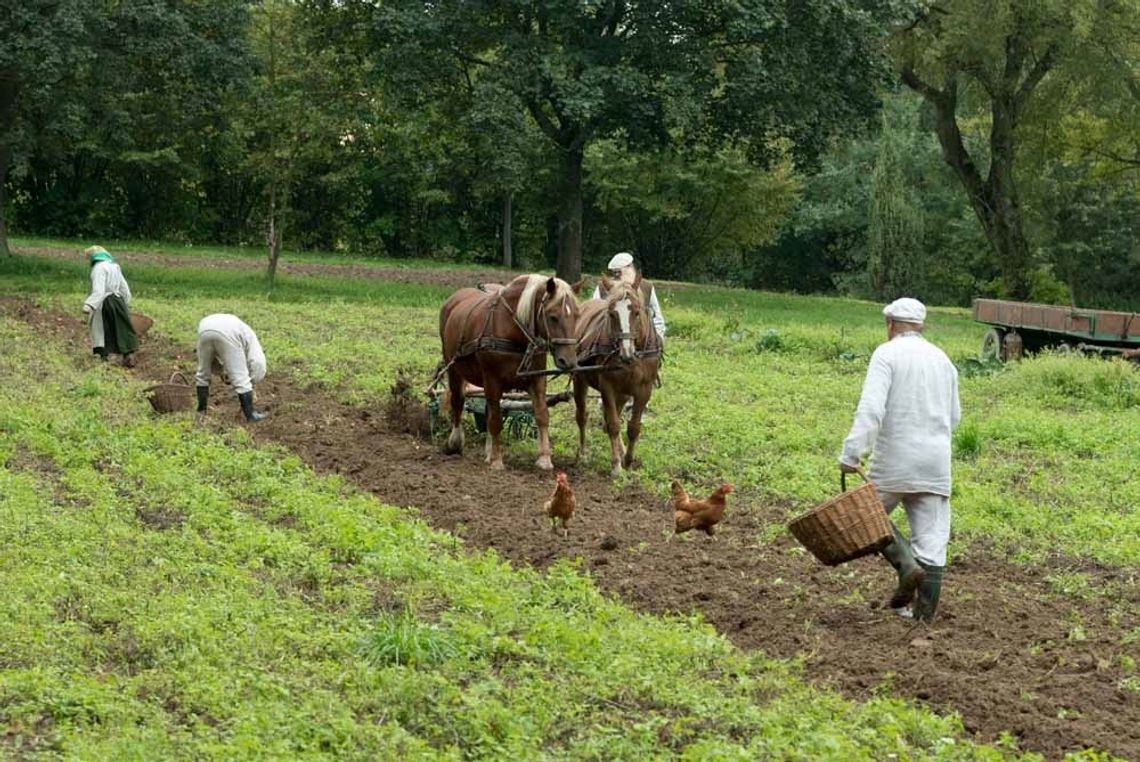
{"x": 767, "y": 382}
{"x": 171, "y": 593}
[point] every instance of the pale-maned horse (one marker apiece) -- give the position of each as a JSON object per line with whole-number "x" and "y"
{"x": 615, "y": 336}
{"x": 498, "y": 339}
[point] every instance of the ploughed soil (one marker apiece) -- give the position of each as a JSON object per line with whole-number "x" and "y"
{"x": 1008, "y": 652}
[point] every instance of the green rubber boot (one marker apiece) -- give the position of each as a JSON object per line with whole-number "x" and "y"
{"x": 909, "y": 570}
{"x": 929, "y": 591}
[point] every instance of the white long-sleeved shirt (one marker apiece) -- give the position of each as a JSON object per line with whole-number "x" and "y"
{"x": 107, "y": 279}
{"x": 236, "y": 333}
{"x": 906, "y": 414}
{"x": 654, "y": 309}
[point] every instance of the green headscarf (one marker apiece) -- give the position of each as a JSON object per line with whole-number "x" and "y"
{"x": 98, "y": 254}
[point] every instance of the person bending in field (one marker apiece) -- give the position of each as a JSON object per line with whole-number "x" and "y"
{"x": 906, "y": 414}
{"x": 106, "y": 307}
{"x": 234, "y": 345}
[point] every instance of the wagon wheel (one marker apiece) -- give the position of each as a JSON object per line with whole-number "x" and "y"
{"x": 991, "y": 346}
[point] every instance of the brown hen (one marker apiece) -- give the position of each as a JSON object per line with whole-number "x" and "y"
{"x": 698, "y": 514}
{"x": 561, "y": 504}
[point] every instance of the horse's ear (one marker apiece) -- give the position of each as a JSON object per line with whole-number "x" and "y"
{"x": 637, "y": 281}
{"x": 551, "y": 286}
{"x": 607, "y": 284}
{"x": 577, "y": 285}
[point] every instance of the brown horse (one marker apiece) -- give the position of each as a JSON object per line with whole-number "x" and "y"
{"x": 616, "y": 338}
{"x": 498, "y": 339}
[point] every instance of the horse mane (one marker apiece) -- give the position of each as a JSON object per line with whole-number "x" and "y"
{"x": 530, "y": 286}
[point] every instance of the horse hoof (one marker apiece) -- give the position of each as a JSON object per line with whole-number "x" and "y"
{"x": 616, "y": 472}
{"x": 497, "y": 465}
{"x": 544, "y": 463}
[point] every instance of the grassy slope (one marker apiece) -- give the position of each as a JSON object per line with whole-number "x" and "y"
{"x": 216, "y": 252}
{"x": 168, "y": 592}
{"x": 768, "y": 382}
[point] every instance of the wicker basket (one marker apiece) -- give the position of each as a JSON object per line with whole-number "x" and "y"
{"x": 141, "y": 323}
{"x": 846, "y": 527}
{"x": 171, "y": 397}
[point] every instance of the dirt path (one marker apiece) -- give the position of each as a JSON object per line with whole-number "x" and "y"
{"x": 427, "y": 276}
{"x": 1007, "y": 653}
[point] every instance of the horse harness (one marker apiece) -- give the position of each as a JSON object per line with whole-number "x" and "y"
{"x": 536, "y": 346}
{"x": 604, "y": 350}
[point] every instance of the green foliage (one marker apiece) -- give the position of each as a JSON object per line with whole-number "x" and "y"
{"x": 895, "y": 230}
{"x": 231, "y": 633}
{"x": 401, "y": 640}
{"x": 694, "y": 211}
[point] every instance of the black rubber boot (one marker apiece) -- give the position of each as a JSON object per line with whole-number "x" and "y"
{"x": 101, "y": 353}
{"x": 929, "y": 591}
{"x": 909, "y": 570}
{"x": 251, "y": 415}
{"x": 203, "y": 398}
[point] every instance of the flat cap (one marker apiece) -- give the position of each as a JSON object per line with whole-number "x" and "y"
{"x": 620, "y": 260}
{"x": 907, "y": 310}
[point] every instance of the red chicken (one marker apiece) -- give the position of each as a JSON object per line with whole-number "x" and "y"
{"x": 561, "y": 504}
{"x": 698, "y": 514}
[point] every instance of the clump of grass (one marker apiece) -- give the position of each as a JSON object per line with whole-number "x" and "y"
{"x": 972, "y": 367}
{"x": 773, "y": 341}
{"x": 967, "y": 442}
{"x": 401, "y": 640}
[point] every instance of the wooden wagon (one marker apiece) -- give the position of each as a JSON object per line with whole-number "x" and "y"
{"x": 1018, "y": 327}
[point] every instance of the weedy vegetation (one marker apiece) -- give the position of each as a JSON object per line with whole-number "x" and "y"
{"x": 172, "y": 592}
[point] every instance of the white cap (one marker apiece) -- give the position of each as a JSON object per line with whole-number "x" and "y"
{"x": 620, "y": 260}
{"x": 906, "y": 310}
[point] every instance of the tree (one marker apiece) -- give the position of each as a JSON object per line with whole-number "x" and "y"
{"x": 119, "y": 105}
{"x": 643, "y": 74}
{"x": 693, "y": 211}
{"x": 991, "y": 58}
{"x": 895, "y": 233}
{"x": 43, "y": 45}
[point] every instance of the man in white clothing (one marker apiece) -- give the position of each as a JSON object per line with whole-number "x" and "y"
{"x": 235, "y": 345}
{"x": 907, "y": 413}
{"x": 622, "y": 268}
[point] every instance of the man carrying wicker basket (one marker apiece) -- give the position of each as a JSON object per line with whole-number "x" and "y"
{"x": 907, "y": 413}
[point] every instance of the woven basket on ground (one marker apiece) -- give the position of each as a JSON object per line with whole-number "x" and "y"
{"x": 847, "y": 527}
{"x": 171, "y": 397}
{"x": 141, "y": 323}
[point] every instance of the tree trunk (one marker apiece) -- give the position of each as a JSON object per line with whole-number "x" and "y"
{"x": 9, "y": 89}
{"x": 508, "y": 255}
{"x": 569, "y": 266}
{"x": 993, "y": 199}
{"x": 5, "y": 158}
{"x": 1006, "y": 229}
{"x": 273, "y": 238}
